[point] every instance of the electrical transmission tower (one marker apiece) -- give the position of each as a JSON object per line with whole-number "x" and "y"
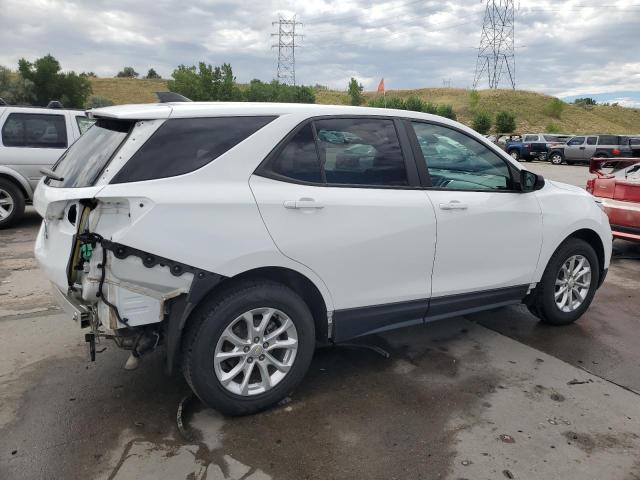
{"x": 286, "y": 49}
{"x": 496, "y": 57}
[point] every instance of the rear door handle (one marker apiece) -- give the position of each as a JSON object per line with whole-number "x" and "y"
{"x": 453, "y": 205}
{"x": 302, "y": 203}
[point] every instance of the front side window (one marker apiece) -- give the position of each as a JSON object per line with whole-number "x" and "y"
{"x": 182, "y": 145}
{"x": 459, "y": 162}
{"x": 576, "y": 141}
{"x": 592, "y": 140}
{"x": 360, "y": 151}
{"x": 34, "y": 130}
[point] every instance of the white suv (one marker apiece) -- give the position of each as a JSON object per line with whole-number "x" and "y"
{"x": 240, "y": 236}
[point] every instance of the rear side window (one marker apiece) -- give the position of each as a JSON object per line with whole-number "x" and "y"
{"x": 34, "y": 130}
{"x": 182, "y": 145}
{"x": 82, "y": 164}
{"x": 360, "y": 151}
{"x": 298, "y": 160}
{"x": 608, "y": 140}
{"x": 530, "y": 138}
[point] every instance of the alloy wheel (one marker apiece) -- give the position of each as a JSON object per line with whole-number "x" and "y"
{"x": 572, "y": 283}
{"x": 6, "y": 204}
{"x": 256, "y": 351}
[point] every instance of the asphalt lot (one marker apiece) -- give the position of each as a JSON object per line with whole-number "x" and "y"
{"x": 487, "y": 396}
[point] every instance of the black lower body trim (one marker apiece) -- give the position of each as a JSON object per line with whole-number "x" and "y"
{"x": 626, "y": 229}
{"x": 356, "y": 322}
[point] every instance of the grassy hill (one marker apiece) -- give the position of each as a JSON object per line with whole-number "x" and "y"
{"x": 527, "y": 106}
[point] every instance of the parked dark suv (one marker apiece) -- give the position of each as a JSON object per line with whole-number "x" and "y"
{"x": 533, "y": 146}
{"x": 582, "y": 148}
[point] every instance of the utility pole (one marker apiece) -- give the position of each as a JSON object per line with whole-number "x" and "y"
{"x": 496, "y": 54}
{"x": 286, "y": 49}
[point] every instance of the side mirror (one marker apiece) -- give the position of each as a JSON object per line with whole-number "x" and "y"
{"x": 529, "y": 181}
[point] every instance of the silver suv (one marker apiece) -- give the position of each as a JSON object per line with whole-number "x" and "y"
{"x": 31, "y": 139}
{"x": 582, "y": 147}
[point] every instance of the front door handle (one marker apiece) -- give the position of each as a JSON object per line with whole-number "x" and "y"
{"x": 453, "y": 205}
{"x": 302, "y": 203}
{"x": 582, "y": 148}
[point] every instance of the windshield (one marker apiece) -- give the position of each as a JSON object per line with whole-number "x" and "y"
{"x": 83, "y": 162}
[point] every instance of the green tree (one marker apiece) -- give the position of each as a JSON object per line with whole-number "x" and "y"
{"x": 88, "y": 74}
{"x": 97, "y": 101}
{"x": 584, "y": 102}
{"x": 554, "y": 108}
{"x": 446, "y": 111}
{"x": 228, "y": 90}
{"x": 49, "y": 83}
{"x": 127, "y": 72}
{"x": 152, "y": 74}
{"x": 275, "y": 91}
{"x": 481, "y": 122}
{"x": 14, "y": 89}
{"x": 505, "y": 122}
{"x": 355, "y": 90}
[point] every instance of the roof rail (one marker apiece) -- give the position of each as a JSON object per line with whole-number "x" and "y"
{"x": 55, "y": 104}
{"x": 166, "y": 97}
{"x": 2, "y": 102}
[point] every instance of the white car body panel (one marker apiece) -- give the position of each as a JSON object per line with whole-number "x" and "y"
{"x": 366, "y": 247}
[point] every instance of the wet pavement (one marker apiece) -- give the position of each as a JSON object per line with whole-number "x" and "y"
{"x": 492, "y": 395}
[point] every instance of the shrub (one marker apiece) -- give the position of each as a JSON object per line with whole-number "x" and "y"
{"x": 275, "y": 91}
{"x": 152, "y": 74}
{"x": 397, "y": 103}
{"x": 428, "y": 107}
{"x": 414, "y": 104}
{"x": 554, "y": 108}
{"x": 552, "y": 128}
{"x": 127, "y": 72}
{"x": 505, "y": 122}
{"x": 97, "y": 101}
{"x": 482, "y": 122}
{"x": 377, "y": 102}
{"x": 446, "y": 111}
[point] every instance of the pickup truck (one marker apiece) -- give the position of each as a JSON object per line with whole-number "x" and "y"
{"x": 533, "y": 146}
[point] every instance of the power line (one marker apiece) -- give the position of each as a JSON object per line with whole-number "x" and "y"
{"x": 286, "y": 49}
{"x": 496, "y": 57}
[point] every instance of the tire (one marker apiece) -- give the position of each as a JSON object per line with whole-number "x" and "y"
{"x": 11, "y": 203}
{"x": 203, "y": 343}
{"x": 515, "y": 154}
{"x": 556, "y": 158}
{"x": 542, "y": 301}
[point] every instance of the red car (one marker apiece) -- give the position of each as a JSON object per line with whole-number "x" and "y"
{"x": 617, "y": 184}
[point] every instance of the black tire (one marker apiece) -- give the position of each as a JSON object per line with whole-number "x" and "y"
{"x": 556, "y": 158}
{"x": 9, "y": 190}
{"x": 208, "y": 324}
{"x": 541, "y": 301}
{"x": 514, "y": 154}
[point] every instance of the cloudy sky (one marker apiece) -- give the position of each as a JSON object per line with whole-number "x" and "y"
{"x": 562, "y": 48}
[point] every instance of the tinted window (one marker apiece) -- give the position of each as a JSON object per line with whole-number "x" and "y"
{"x": 530, "y": 138}
{"x": 607, "y": 140}
{"x": 592, "y": 140}
{"x": 457, "y": 161}
{"x": 34, "y": 130}
{"x": 634, "y": 142}
{"x": 82, "y": 164}
{"x": 299, "y": 158}
{"x": 360, "y": 151}
{"x": 182, "y": 145}
{"x": 576, "y": 141}
{"x": 552, "y": 138}
{"x": 84, "y": 123}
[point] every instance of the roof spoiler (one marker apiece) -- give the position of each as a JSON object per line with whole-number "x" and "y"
{"x": 166, "y": 97}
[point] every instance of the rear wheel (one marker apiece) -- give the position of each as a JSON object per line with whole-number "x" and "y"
{"x": 556, "y": 158}
{"x": 11, "y": 203}
{"x": 568, "y": 284}
{"x": 247, "y": 350}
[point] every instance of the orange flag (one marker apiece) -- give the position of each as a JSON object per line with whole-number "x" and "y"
{"x": 381, "y": 86}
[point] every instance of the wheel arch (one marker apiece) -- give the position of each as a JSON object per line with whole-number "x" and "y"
{"x": 293, "y": 279}
{"x": 593, "y": 239}
{"x": 18, "y": 180}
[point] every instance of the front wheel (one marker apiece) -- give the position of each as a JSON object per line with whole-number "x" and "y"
{"x": 556, "y": 158}
{"x": 514, "y": 154}
{"x": 248, "y": 349}
{"x": 11, "y": 203}
{"x": 568, "y": 284}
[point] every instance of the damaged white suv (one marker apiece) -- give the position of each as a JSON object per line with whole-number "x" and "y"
{"x": 240, "y": 236}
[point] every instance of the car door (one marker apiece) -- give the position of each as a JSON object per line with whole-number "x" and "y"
{"x": 342, "y": 197}
{"x": 574, "y": 148}
{"x": 489, "y": 233}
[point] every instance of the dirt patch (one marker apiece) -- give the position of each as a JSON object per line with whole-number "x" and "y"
{"x": 590, "y": 443}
